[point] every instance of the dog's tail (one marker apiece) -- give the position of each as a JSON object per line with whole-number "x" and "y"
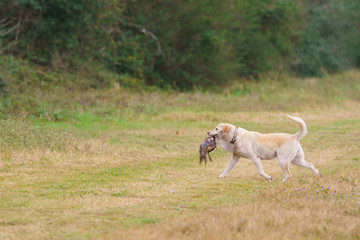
{"x": 303, "y": 129}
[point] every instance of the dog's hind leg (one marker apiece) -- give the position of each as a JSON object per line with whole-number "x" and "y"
{"x": 258, "y": 164}
{"x": 233, "y": 161}
{"x": 285, "y": 167}
{"x": 299, "y": 160}
{"x": 284, "y": 159}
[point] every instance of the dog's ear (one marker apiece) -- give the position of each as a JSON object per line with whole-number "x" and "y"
{"x": 225, "y": 129}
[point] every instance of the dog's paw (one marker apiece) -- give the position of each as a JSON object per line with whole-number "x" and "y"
{"x": 270, "y": 179}
{"x": 221, "y": 176}
{"x": 319, "y": 174}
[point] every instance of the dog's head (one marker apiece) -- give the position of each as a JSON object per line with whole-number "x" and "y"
{"x": 221, "y": 130}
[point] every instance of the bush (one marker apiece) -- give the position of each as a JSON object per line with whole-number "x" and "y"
{"x": 47, "y": 28}
{"x": 183, "y": 44}
{"x": 329, "y": 38}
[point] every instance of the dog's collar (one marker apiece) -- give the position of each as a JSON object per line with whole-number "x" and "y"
{"x": 233, "y": 140}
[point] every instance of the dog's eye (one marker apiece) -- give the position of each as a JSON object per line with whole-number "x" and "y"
{"x": 216, "y": 129}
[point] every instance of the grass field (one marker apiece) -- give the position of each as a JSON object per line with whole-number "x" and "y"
{"x": 110, "y": 164}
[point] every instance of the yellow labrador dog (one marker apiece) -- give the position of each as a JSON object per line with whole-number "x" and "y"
{"x": 257, "y": 146}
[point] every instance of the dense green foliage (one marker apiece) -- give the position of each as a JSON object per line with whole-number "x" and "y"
{"x": 183, "y": 44}
{"x": 331, "y": 39}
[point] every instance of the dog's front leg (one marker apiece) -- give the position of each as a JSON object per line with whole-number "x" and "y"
{"x": 233, "y": 161}
{"x": 258, "y": 164}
